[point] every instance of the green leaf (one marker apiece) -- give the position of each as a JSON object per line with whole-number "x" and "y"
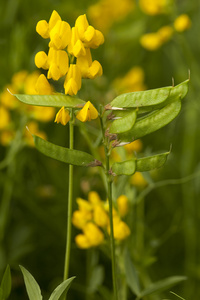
{"x": 124, "y": 123}
{"x": 131, "y": 274}
{"x": 161, "y": 285}
{"x": 124, "y": 168}
{"x": 57, "y": 100}
{"x": 151, "y": 162}
{"x": 32, "y": 287}
{"x": 152, "y": 122}
{"x": 69, "y": 156}
{"x": 62, "y": 288}
{"x": 140, "y": 99}
{"x": 5, "y": 287}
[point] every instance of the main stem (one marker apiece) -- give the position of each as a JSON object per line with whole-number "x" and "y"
{"x": 70, "y": 198}
{"x": 109, "y": 194}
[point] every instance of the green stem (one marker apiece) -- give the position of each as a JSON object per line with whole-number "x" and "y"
{"x": 70, "y": 198}
{"x": 109, "y": 194}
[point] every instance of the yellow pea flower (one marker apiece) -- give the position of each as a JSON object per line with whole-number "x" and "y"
{"x": 89, "y": 69}
{"x": 43, "y": 28}
{"x": 62, "y": 116}
{"x": 121, "y": 230}
{"x": 93, "y": 197}
{"x": 76, "y": 46}
{"x": 58, "y": 63}
{"x": 80, "y": 218}
{"x": 42, "y": 86}
{"x": 42, "y": 113}
{"x": 182, "y": 23}
{"x": 100, "y": 216}
{"x": 73, "y": 80}
{"x": 81, "y": 24}
{"x": 41, "y": 60}
{"x": 123, "y": 205}
{"x": 165, "y": 33}
{"x": 82, "y": 241}
{"x": 138, "y": 180}
{"x": 153, "y": 7}
{"x": 60, "y": 35}
{"x": 5, "y": 117}
{"x": 83, "y": 204}
{"x": 93, "y": 233}
{"x": 18, "y": 80}
{"x": 87, "y": 113}
{"x": 134, "y": 146}
{"x": 151, "y": 41}
{"x": 7, "y": 98}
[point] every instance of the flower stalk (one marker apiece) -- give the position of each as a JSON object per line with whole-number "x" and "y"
{"x": 70, "y": 199}
{"x": 109, "y": 195}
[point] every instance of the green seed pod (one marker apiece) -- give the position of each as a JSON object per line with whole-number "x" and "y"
{"x": 124, "y": 123}
{"x": 151, "y": 122}
{"x": 123, "y": 168}
{"x": 151, "y": 162}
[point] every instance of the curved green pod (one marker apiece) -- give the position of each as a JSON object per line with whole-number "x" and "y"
{"x": 124, "y": 123}
{"x": 57, "y": 100}
{"x": 69, "y": 156}
{"x": 152, "y": 122}
{"x": 123, "y": 168}
{"x": 151, "y": 162}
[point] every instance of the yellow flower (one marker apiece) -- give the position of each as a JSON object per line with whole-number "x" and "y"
{"x": 123, "y": 205}
{"x": 100, "y": 216}
{"x": 42, "y": 86}
{"x": 134, "y": 146}
{"x": 42, "y": 113}
{"x": 58, "y": 63}
{"x": 7, "y": 98}
{"x": 121, "y": 230}
{"x": 165, "y": 33}
{"x": 60, "y": 35}
{"x": 76, "y": 46}
{"x": 5, "y": 117}
{"x": 81, "y": 217}
{"x": 93, "y": 197}
{"x": 18, "y": 80}
{"x": 41, "y": 60}
{"x": 153, "y": 7}
{"x": 87, "y": 113}
{"x": 89, "y": 69}
{"x": 151, "y": 41}
{"x": 62, "y": 116}
{"x": 138, "y": 180}
{"x": 82, "y": 241}
{"x": 93, "y": 233}
{"x": 43, "y": 28}
{"x": 30, "y": 82}
{"x": 182, "y": 23}
{"x": 83, "y": 204}
{"x": 72, "y": 82}
{"x": 91, "y": 37}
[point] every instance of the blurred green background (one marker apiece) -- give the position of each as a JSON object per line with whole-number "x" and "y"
{"x": 35, "y": 187}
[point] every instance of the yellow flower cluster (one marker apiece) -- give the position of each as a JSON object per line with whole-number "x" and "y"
{"x": 93, "y": 219}
{"x": 23, "y": 82}
{"x": 69, "y": 52}
{"x": 154, "y": 40}
{"x": 154, "y": 7}
{"x": 133, "y": 81}
{"x": 105, "y": 12}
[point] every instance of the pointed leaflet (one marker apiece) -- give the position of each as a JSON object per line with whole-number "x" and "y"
{"x": 69, "y": 156}
{"x": 5, "y": 287}
{"x": 161, "y": 285}
{"x": 32, "y": 287}
{"x": 124, "y": 168}
{"x": 61, "y": 289}
{"x": 151, "y": 162}
{"x": 152, "y": 122}
{"x": 124, "y": 123}
{"x": 57, "y": 100}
